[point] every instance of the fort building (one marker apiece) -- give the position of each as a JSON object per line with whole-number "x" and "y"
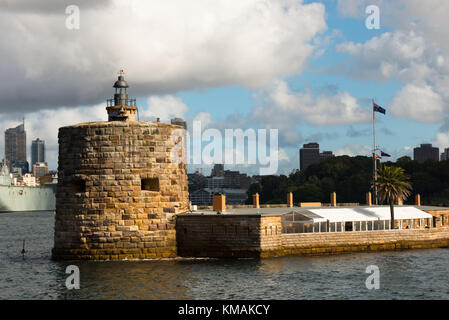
{"x": 261, "y": 231}
{"x": 119, "y": 186}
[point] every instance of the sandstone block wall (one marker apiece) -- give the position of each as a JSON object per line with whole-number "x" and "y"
{"x": 331, "y": 243}
{"x": 261, "y": 236}
{"x": 440, "y": 217}
{"x": 270, "y": 233}
{"x": 218, "y": 235}
{"x": 118, "y": 191}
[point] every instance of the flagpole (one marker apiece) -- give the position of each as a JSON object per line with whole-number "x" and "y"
{"x": 374, "y": 155}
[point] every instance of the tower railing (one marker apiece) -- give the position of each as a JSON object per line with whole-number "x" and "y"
{"x": 124, "y": 102}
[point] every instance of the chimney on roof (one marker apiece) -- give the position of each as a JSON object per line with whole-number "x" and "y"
{"x": 219, "y": 202}
{"x": 418, "y": 199}
{"x": 290, "y": 200}
{"x": 256, "y": 200}
{"x": 369, "y": 201}
{"x": 333, "y": 199}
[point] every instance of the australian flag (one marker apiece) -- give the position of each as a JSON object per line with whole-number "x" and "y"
{"x": 384, "y": 154}
{"x": 378, "y": 108}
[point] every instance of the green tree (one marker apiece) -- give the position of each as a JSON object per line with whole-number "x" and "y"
{"x": 350, "y": 178}
{"x": 392, "y": 184}
{"x": 308, "y": 192}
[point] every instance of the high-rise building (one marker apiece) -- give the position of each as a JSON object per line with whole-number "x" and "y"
{"x": 236, "y": 180}
{"x": 20, "y": 167}
{"x": 426, "y": 152}
{"x": 15, "y": 145}
{"x": 179, "y": 122}
{"x": 217, "y": 170}
{"x": 37, "y": 151}
{"x": 326, "y": 155}
{"x": 215, "y": 182}
{"x": 40, "y": 169}
{"x": 445, "y": 154}
{"x": 310, "y": 154}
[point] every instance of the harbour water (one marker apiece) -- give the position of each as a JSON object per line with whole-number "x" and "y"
{"x": 413, "y": 274}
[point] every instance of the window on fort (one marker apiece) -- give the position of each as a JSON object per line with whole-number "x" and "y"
{"x": 349, "y": 226}
{"x": 77, "y": 186}
{"x": 150, "y": 184}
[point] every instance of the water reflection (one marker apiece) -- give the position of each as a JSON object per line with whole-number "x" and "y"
{"x": 126, "y": 280}
{"x": 415, "y": 274}
{"x": 272, "y": 265}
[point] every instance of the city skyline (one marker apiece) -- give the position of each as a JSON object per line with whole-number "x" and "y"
{"x": 313, "y": 84}
{"x": 311, "y": 151}
{"x": 15, "y": 153}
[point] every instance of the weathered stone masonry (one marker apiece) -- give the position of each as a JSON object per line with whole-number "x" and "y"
{"x": 118, "y": 191}
{"x": 260, "y": 236}
{"x": 227, "y": 235}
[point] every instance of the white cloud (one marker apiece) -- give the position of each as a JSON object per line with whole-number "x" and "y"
{"x": 287, "y": 105}
{"x": 164, "y": 107}
{"x": 284, "y": 109}
{"x": 441, "y": 140}
{"x": 396, "y": 55}
{"x": 204, "y": 117}
{"x": 419, "y": 103}
{"x": 354, "y": 150}
{"x": 282, "y": 155}
{"x": 164, "y": 46}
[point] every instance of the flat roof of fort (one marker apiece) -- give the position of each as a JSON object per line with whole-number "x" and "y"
{"x": 276, "y": 211}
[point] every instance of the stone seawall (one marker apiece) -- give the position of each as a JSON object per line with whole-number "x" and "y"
{"x": 234, "y": 236}
{"x": 332, "y": 243}
{"x": 218, "y": 236}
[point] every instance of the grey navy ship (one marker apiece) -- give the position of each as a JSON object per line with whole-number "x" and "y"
{"x": 25, "y": 198}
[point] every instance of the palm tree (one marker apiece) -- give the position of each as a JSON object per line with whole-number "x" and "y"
{"x": 392, "y": 184}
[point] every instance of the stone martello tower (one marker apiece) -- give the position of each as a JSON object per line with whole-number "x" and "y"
{"x": 120, "y": 186}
